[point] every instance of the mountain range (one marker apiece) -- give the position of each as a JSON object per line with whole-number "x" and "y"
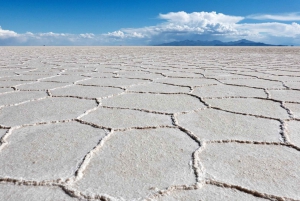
{"x": 242, "y": 42}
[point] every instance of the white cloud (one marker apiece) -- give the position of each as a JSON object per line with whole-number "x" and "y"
{"x": 273, "y": 29}
{"x": 281, "y": 17}
{"x": 200, "y": 18}
{"x": 120, "y": 34}
{"x": 176, "y": 26}
{"x": 116, "y": 34}
{"x": 182, "y": 25}
{"x": 8, "y": 37}
{"x": 6, "y": 33}
{"x": 87, "y": 35}
{"x": 212, "y": 26}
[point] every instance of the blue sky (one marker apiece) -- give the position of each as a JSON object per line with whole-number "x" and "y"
{"x": 146, "y": 22}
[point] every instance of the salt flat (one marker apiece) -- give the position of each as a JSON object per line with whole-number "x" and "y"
{"x": 149, "y": 123}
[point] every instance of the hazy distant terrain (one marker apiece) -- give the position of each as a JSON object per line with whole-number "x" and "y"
{"x": 242, "y": 42}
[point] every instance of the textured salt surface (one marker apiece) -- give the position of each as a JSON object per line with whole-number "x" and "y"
{"x": 149, "y": 123}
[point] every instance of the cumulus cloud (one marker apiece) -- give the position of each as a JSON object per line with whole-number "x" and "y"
{"x": 181, "y": 26}
{"x": 200, "y": 18}
{"x": 6, "y": 33}
{"x": 175, "y": 26}
{"x": 281, "y": 17}
{"x": 214, "y": 26}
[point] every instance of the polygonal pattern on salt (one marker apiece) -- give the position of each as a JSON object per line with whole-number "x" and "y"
{"x": 149, "y": 123}
{"x": 157, "y": 87}
{"x": 142, "y": 159}
{"x": 188, "y": 82}
{"x": 259, "y": 83}
{"x": 219, "y": 125}
{"x": 35, "y": 152}
{"x": 125, "y": 118}
{"x": 43, "y": 86}
{"x": 20, "y": 96}
{"x": 117, "y": 82}
{"x": 155, "y": 102}
{"x": 44, "y": 110}
{"x": 252, "y": 106}
{"x": 86, "y": 91}
{"x": 228, "y": 91}
{"x": 274, "y": 169}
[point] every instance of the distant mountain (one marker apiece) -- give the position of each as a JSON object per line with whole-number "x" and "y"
{"x": 242, "y": 42}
